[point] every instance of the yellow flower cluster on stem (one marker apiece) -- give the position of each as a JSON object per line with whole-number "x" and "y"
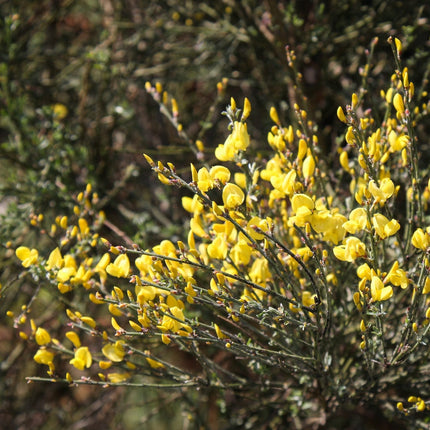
{"x": 282, "y": 267}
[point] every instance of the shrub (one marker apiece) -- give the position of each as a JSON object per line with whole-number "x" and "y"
{"x": 297, "y": 295}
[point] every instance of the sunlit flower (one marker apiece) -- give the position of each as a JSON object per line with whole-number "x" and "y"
{"x": 364, "y": 272}
{"x": 383, "y": 227}
{"x": 241, "y": 253}
{"x": 232, "y": 196}
{"x": 303, "y": 206}
{"x": 397, "y": 142}
{"x": 220, "y": 173}
{"x": 285, "y": 183}
{"x": 398, "y": 103}
{"x": 55, "y": 260}
{"x": 68, "y": 270}
{"x": 74, "y": 338}
{"x": 204, "y": 181}
{"x": 352, "y": 249}
{"x": 192, "y": 205}
{"x": 218, "y": 248}
{"x": 397, "y": 276}
{"x": 259, "y": 271}
{"x": 43, "y": 356}
{"x": 421, "y": 239}
{"x": 382, "y": 193}
{"x": 237, "y": 141}
{"x": 82, "y": 358}
{"x": 42, "y": 336}
{"x": 114, "y": 351}
{"x": 308, "y": 166}
{"x": 175, "y": 322}
{"x": 357, "y": 221}
{"x": 379, "y": 291}
{"x": 261, "y": 224}
{"x": 120, "y": 268}
{"x": 27, "y": 256}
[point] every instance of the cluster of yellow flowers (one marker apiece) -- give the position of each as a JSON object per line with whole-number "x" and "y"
{"x": 279, "y": 259}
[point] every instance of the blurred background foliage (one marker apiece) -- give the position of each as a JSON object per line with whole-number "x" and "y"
{"x": 73, "y": 110}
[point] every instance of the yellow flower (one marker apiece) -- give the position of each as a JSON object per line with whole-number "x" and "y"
{"x": 42, "y": 336}
{"x": 341, "y": 115}
{"x": 172, "y": 324}
{"x": 357, "y": 221}
{"x": 74, "y": 338}
{"x": 308, "y": 166}
{"x": 262, "y": 224}
{"x": 100, "y": 267}
{"x": 259, "y": 271}
{"x": 237, "y": 141}
{"x": 274, "y": 115}
{"x": 60, "y": 111}
{"x": 82, "y": 358}
{"x": 382, "y": 193}
{"x": 276, "y": 141}
{"x": 219, "y": 333}
{"x": 83, "y": 226}
{"x": 421, "y": 239}
{"x": 166, "y": 247}
{"x": 331, "y": 226}
{"x": 192, "y": 205}
{"x": 241, "y": 253}
{"x": 302, "y": 202}
{"x": 225, "y": 152}
{"x": 398, "y": 45}
{"x": 153, "y": 363}
{"x": 350, "y": 137}
{"x": 232, "y": 196}
{"x": 89, "y": 321}
{"x": 397, "y": 143}
{"x": 55, "y": 260}
{"x": 398, "y": 103}
{"x": 285, "y": 183}
{"x": 43, "y": 356}
{"x": 308, "y": 299}
{"x": 303, "y": 206}
{"x": 246, "y": 109}
{"x": 272, "y": 169}
{"x": 220, "y": 173}
{"x": 302, "y": 149}
{"x": 426, "y": 289}
{"x": 68, "y": 270}
{"x": 364, "y": 272}
{"x": 397, "y": 276}
{"x": 117, "y": 378}
{"x": 28, "y": 257}
{"x": 114, "y": 351}
{"x": 204, "y": 180}
{"x": 383, "y": 227}
{"x": 218, "y": 248}
{"x": 239, "y": 136}
{"x": 120, "y": 268}
{"x": 379, "y": 291}
{"x": 145, "y": 294}
{"x": 344, "y": 160}
{"x": 350, "y": 250}
{"x": 196, "y": 226}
